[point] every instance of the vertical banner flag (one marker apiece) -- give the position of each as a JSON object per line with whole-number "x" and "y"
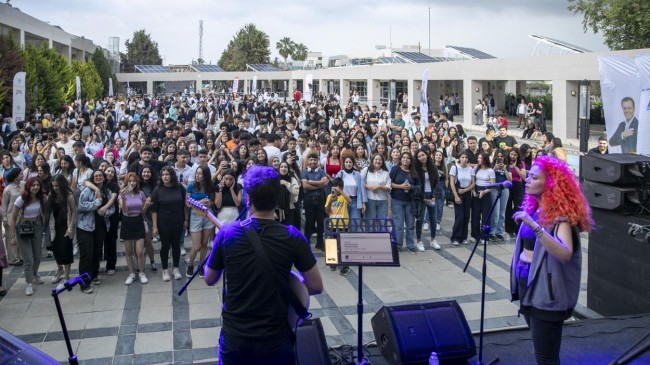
{"x": 235, "y": 86}
{"x": 110, "y": 86}
{"x": 643, "y": 140}
{"x": 424, "y": 107}
{"x": 620, "y": 90}
{"x": 78, "y": 80}
{"x": 307, "y": 87}
{"x": 254, "y": 87}
{"x": 18, "y": 108}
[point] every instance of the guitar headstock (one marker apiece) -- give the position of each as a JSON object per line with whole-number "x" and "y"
{"x": 197, "y": 206}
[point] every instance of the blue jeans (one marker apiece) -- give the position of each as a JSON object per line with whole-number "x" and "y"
{"x": 276, "y": 351}
{"x": 403, "y": 215}
{"x": 376, "y": 209}
{"x": 429, "y": 217}
{"x": 440, "y": 201}
{"x": 354, "y": 214}
{"x": 499, "y": 215}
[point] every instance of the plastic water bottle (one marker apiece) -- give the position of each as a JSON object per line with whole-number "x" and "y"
{"x": 507, "y": 238}
{"x": 433, "y": 359}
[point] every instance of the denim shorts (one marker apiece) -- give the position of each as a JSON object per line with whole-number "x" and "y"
{"x": 199, "y": 223}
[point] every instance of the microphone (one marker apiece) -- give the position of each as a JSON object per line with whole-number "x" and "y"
{"x": 503, "y": 185}
{"x": 79, "y": 279}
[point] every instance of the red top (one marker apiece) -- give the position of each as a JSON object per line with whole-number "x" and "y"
{"x": 332, "y": 170}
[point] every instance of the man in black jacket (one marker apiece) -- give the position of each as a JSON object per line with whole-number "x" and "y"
{"x": 625, "y": 135}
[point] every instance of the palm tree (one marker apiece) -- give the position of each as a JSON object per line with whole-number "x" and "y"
{"x": 286, "y": 48}
{"x": 300, "y": 52}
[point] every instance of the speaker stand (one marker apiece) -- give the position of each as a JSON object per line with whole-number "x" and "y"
{"x": 360, "y": 360}
{"x": 484, "y": 236}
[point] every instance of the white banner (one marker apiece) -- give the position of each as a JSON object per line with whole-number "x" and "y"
{"x": 424, "y": 107}
{"x": 254, "y": 86}
{"x": 620, "y": 90}
{"x": 18, "y": 108}
{"x": 235, "y": 85}
{"x": 643, "y": 66}
{"x": 307, "y": 87}
{"x": 110, "y": 86}
{"x": 78, "y": 81}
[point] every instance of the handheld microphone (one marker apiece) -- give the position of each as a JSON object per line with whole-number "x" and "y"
{"x": 78, "y": 280}
{"x": 504, "y": 185}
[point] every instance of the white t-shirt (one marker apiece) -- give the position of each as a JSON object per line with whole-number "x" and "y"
{"x": 30, "y": 211}
{"x": 484, "y": 177}
{"x": 272, "y": 151}
{"x": 462, "y": 174}
{"x": 66, "y": 146}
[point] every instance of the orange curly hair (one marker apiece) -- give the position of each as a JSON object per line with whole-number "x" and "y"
{"x": 562, "y": 199}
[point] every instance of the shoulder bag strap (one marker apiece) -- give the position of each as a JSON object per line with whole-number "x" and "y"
{"x": 282, "y": 283}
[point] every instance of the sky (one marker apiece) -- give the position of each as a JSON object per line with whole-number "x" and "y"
{"x": 334, "y": 27}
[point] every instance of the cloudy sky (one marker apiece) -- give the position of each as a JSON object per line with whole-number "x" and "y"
{"x": 497, "y": 27}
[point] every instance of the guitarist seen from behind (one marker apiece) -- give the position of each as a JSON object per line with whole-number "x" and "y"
{"x": 255, "y": 328}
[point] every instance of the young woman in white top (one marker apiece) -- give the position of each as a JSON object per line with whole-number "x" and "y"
{"x": 482, "y": 197}
{"x": 464, "y": 175}
{"x": 377, "y": 183}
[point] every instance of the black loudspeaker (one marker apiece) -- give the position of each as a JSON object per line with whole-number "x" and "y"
{"x": 618, "y": 282}
{"x": 609, "y": 197}
{"x": 311, "y": 345}
{"x": 407, "y": 334}
{"x": 612, "y": 168}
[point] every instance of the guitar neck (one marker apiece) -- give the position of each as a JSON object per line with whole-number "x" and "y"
{"x": 213, "y": 219}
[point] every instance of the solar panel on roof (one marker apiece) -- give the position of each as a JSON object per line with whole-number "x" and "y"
{"x": 416, "y": 57}
{"x": 471, "y": 53}
{"x": 262, "y": 67}
{"x": 207, "y": 68}
{"x": 151, "y": 68}
{"x": 560, "y": 44}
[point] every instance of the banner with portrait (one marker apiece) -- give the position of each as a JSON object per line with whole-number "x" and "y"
{"x": 307, "y": 87}
{"x": 620, "y": 90}
{"x": 18, "y": 105}
{"x": 643, "y": 141}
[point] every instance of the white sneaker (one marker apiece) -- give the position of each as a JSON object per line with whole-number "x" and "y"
{"x": 156, "y": 239}
{"x": 60, "y": 286}
{"x": 165, "y": 275}
{"x": 177, "y": 274}
{"x": 472, "y": 240}
{"x": 425, "y": 226}
{"x": 434, "y": 244}
{"x": 75, "y": 250}
{"x": 57, "y": 277}
{"x": 183, "y": 252}
{"x": 129, "y": 279}
{"x": 420, "y": 246}
{"x": 465, "y": 242}
{"x": 29, "y": 290}
{"x": 455, "y": 243}
{"x": 110, "y": 272}
{"x": 437, "y": 226}
{"x": 143, "y": 278}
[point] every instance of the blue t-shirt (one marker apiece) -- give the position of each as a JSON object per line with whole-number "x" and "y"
{"x": 399, "y": 176}
{"x": 196, "y": 196}
{"x": 317, "y": 175}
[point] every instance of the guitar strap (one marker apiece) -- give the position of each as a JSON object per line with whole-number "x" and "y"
{"x": 281, "y": 283}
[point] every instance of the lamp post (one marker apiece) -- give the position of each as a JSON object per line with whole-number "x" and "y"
{"x": 584, "y": 106}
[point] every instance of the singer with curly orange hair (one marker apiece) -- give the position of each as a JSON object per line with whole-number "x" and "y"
{"x": 547, "y": 260}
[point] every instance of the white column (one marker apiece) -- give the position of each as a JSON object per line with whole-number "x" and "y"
{"x": 150, "y": 90}
{"x": 345, "y": 91}
{"x": 472, "y": 91}
{"x": 511, "y": 87}
{"x": 521, "y": 87}
{"x": 373, "y": 92}
{"x": 22, "y": 39}
{"x": 412, "y": 91}
{"x": 565, "y": 109}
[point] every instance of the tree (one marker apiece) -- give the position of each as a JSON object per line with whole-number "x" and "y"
{"x": 142, "y": 50}
{"x": 249, "y": 45}
{"x": 625, "y": 24}
{"x": 285, "y": 47}
{"x": 11, "y": 61}
{"x": 91, "y": 83}
{"x": 103, "y": 68}
{"x": 300, "y": 52}
{"x": 49, "y": 75}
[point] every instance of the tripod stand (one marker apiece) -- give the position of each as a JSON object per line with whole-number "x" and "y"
{"x": 68, "y": 285}
{"x": 484, "y": 236}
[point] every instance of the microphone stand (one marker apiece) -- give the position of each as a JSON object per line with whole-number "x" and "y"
{"x": 484, "y": 235}
{"x": 200, "y": 267}
{"x": 68, "y": 285}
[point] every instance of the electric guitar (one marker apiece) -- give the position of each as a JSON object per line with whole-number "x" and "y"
{"x": 296, "y": 281}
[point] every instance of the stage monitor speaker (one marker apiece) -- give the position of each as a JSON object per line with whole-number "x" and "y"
{"x": 609, "y": 197}
{"x": 618, "y": 281}
{"x": 611, "y": 168}
{"x": 311, "y": 343}
{"x": 407, "y": 334}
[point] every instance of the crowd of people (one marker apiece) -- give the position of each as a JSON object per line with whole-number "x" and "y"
{"x": 78, "y": 179}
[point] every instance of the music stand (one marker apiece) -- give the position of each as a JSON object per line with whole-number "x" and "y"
{"x": 361, "y": 242}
